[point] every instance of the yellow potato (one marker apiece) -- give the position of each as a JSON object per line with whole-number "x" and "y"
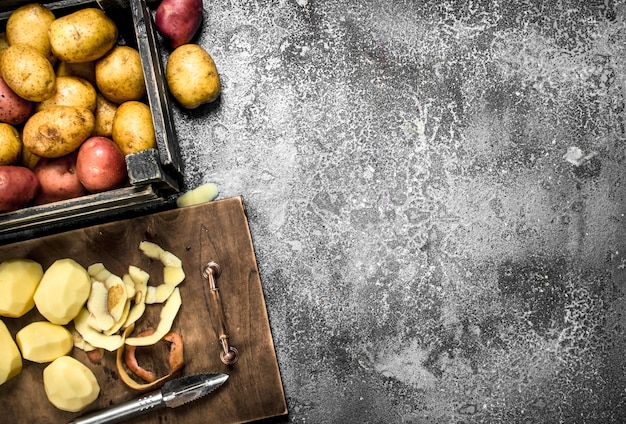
{"x": 119, "y": 75}
{"x": 28, "y": 24}
{"x": 133, "y": 129}
{"x": 105, "y": 112}
{"x": 29, "y": 74}
{"x": 201, "y": 194}
{"x": 62, "y": 69}
{"x": 82, "y": 36}
{"x": 69, "y": 384}
{"x": 62, "y": 292}
{"x": 43, "y": 341}
{"x": 19, "y": 279}
{"x": 86, "y": 70}
{"x": 71, "y": 91}
{"x": 191, "y": 76}
{"x": 29, "y": 159}
{"x": 57, "y": 130}
{"x": 4, "y": 44}
{"x": 10, "y": 144}
{"x": 10, "y": 358}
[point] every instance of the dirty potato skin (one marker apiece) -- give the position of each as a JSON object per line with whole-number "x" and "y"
{"x": 28, "y": 24}
{"x": 27, "y": 72}
{"x": 71, "y": 91}
{"x": 119, "y": 75}
{"x": 105, "y": 112}
{"x": 133, "y": 129}
{"x": 192, "y": 76}
{"x": 57, "y": 130}
{"x": 10, "y": 144}
{"x": 82, "y": 36}
{"x": 14, "y": 110}
{"x": 18, "y": 186}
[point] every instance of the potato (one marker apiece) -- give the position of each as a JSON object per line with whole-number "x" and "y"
{"x": 82, "y": 36}
{"x": 58, "y": 179}
{"x": 69, "y": 384}
{"x": 62, "y": 291}
{"x": 133, "y": 129}
{"x": 119, "y": 75}
{"x": 29, "y": 159}
{"x": 43, "y": 341}
{"x": 4, "y": 44}
{"x": 19, "y": 279}
{"x": 105, "y": 112}
{"x": 28, "y": 72}
{"x": 85, "y": 70}
{"x": 10, "y": 358}
{"x": 14, "y": 110}
{"x": 178, "y": 20}
{"x": 57, "y": 131}
{"x": 28, "y": 24}
{"x": 100, "y": 165}
{"x": 10, "y": 145}
{"x": 71, "y": 91}
{"x": 191, "y": 76}
{"x": 18, "y": 186}
{"x": 201, "y": 194}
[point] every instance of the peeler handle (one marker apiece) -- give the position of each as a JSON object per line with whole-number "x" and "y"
{"x": 124, "y": 411}
{"x": 229, "y": 354}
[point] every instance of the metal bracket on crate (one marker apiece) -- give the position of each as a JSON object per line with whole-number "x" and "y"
{"x": 154, "y": 75}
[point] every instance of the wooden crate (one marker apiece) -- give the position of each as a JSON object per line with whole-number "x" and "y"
{"x": 154, "y": 174}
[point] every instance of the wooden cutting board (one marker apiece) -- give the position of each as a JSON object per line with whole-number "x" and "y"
{"x": 216, "y": 231}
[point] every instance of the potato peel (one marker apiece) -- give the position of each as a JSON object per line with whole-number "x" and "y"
{"x": 126, "y": 355}
{"x": 173, "y": 273}
{"x": 94, "y": 337}
{"x": 168, "y": 313}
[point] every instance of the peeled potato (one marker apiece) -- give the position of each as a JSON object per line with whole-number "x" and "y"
{"x": 10, "y": 358}
{"x": 19, "y": 279}
{"x": 42, "y": 341}
{"x": 201, "y": 194}
{"x": 62, "y": 292}
{"x": 69, "y": 384}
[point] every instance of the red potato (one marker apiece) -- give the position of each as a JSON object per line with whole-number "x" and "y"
{"x": 14, "y": 110}
{"x": 18, "y": 186}
{"x": 100, "y": 165}
{"x": 178, "y": 20}
{"x": 58, "y": 179}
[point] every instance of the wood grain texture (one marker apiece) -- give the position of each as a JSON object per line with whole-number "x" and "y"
{"x": 216, "y": 231}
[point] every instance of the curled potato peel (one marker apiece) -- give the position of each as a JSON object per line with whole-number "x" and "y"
{"x": 168, "y": 313}
{"x": 126, "y": 355}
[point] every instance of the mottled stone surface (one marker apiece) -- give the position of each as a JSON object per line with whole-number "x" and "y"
{"x": 436, "y": 194}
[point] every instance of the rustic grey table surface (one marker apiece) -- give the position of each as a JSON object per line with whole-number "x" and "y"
{"x": 436, "y": 194}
